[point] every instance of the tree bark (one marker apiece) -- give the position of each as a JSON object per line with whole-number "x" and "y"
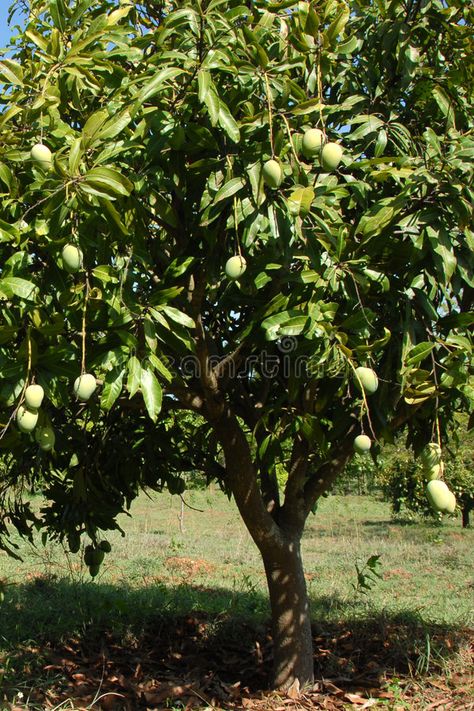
{"x": 291, "y": 621}
{"x": 465, "y": 516}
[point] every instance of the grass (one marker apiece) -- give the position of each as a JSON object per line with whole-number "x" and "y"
{"x": 166, "y": 569}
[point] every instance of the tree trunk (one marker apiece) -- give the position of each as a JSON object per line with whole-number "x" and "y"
{"x": 291, "y": 622}
{"x": 465, "y": 516}
{"x": 279, "y": 545}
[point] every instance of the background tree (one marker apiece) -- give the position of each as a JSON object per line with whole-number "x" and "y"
{"x": 404, "y": 481}
{"x": 158, "y": 121}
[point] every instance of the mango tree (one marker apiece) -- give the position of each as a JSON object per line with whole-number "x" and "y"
{"x": 142, "y": 147}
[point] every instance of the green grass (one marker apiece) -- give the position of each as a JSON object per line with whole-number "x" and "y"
{"x": 426, "y": 568}
{"x": 158, "y": 571}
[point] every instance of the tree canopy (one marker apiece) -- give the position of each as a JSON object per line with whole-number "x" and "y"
{"x": 153, "y": 126}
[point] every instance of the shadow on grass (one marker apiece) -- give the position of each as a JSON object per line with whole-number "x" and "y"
{"x": 70, "y": 639}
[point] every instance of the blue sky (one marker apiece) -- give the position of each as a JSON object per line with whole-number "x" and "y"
{"x": 5, "y": 31}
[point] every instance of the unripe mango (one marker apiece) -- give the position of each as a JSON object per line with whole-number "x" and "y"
{"x": 46, "y": 438}
{"x": 26, "y": 419}
{"x": 362, "y": 444}
{"x": 84, "y": 386}
{"x": 331, "y": 155}
{"x": 312, "y": 141}
{"x": 430, "y": 456}
{"x": 451, "y": 507}
{"x": 434, "y": 472}
{"x": 34, "y": 395}
{"x": 272, "y": 173}
{"x": 74, "y": 541}
{"x": 235, "y": 266}
{"x": 438, "y": 495}
{"x": 366, "y": 379}
{"x": 41, "y": 155}
{"x": 72, "y": 258}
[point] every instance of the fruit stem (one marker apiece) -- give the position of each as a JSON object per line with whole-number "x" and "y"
{"x": 237, "y": 241}
{"x": 320, "y": 84}
{"x": 84, "y": 331}
{"x": 290, "y": 138}
{"x": 270, "y": 111}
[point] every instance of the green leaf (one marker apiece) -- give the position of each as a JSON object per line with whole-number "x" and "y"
{"x": 57, "y": 12}
{"x": 115, "y": 125}
{"x": 75, "y": 155}
{"x": 349, "y": 46}
{"x": 306, "y": 107}
{"x": 92, "y": 127}
{"x": 157, "y": 83}
{"x": 418, "y": 353}
{"x": 441, "y": 245}
{"x": 11, "y": 71}
{"x": 212, "y": 104}
{"x": 378, "y": 217}
{"x": 37, "y": 39}
{"x": 152, "y": 392}
{"x": 106, "y": 274}
{"x": 300, "y": 200}
{"x": 14, "y": 286}
{"x": 112, "y": 387}
{"x": 228, "y": 123}
{"x": 6, "y": 175}
{"x": 134, "y": 375}
{"x": 178, "y": 316}
{"x": 160, "y": 367}
{"x": 230, "y": 188}
{"x": 106, "y": 182}
{"x": 204, "y": 83}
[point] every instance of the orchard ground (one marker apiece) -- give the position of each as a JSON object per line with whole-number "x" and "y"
{"x": 178, "y": 616}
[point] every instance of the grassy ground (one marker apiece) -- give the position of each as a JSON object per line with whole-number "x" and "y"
{"x": 202, "y": 571}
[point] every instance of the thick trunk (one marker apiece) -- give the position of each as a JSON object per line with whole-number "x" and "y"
{"x": 292, "y": 639}
{"x": 279, "y": 545}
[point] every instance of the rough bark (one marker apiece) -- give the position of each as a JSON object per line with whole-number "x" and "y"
{"x": 291, "y": 621}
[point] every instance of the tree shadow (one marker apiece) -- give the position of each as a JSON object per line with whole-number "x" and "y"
{"x": 148, "y": 645}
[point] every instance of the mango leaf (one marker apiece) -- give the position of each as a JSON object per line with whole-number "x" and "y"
{"x": 106, "y": 182}
{"x": 230, "y": 188}
{"x": 115, "y": 125}
{"x": 112, "y": 387}
{"x": 92, "y": 127}
{"x": 58, "y": 12}
{"x": 156, "y": 84}
{"x": 349, "y": 46}
{"x": 418, "y": 353}
{"x": 204, "y": 83}
{"x": 106, "y": 274}
{"x": 306, "y": 107}
{"x": 212, "y": 103}
{"x": 441, "y": 245}
{"x": 14, "y": 286}
{"x": 378, "y": 217}
{"x": 228, "y": 123}
{"x": 134, "y": 375}
{"x": 160, "y": 367}
{"x": 300, "y": 200}
{"x": 11, "y": 72}
{"x": 152, "y": 392}
{"x": 178, "y": 316}
{"x": 75, "y": 155}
